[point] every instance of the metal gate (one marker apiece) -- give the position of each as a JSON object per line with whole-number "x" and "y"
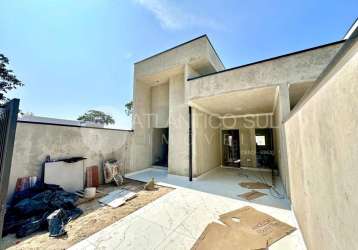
{"x": 8, "y": 118}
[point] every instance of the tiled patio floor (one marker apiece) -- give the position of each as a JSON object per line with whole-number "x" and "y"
{"x": 177, "y": 219}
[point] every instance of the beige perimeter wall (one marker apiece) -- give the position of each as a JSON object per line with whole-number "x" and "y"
{"x": 322, "y": 146}
{"x": 33, "y": 142}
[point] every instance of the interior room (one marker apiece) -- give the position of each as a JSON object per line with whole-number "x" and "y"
{"x": 160, "y": 147}
{"x": 231, "y": 148}
{"x": 264, "y": 148}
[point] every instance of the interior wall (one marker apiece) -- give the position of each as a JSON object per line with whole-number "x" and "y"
{"x": 160, "y": 105}
{"x": 265, "y": 151}
{"x": 247, "y": 147}
{"x": 247, "y": 126}
{"x": 322, "y": 153}
{"x": 33, "y": 142}
{"x": 206, "y": 142}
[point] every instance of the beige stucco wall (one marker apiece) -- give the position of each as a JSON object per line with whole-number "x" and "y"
{"x": 281, "y": 112}
{"x": 257, "y": 121}
{"x": 276, "y": 134}
{"x": 151, "y": 99}
{"x": 214, "y": 58}
{"x": 297, "y": 68}
{"x": 141, "y": 151}
{"x": 322, "y": 136}
{"x": 160, "y": 105}
{"x": 206, "y": 142}
{"x": 33, "y": 142}
{"x": 178, "y": 159}
{"x": 192, "y": 52}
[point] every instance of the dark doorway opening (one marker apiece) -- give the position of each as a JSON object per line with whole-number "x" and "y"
{"x": 264, "y": 148}
{"x": 160, "y": 147}
{"x": 231, "y": 147}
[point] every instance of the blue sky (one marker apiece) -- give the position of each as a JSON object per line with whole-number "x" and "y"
{"x": 76, "y": 55}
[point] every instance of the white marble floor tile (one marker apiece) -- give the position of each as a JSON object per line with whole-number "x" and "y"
{"x": 165, "y": 213}
{"x": 136, "y": 234}
{"x": 176, "y": 241}
{"x": 195, "y": 224}
{"x": 83, "y": 245}
{"x": 177, "y": 219}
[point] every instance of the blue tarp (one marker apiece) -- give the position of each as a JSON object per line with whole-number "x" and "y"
{"x": 29, "y": 210}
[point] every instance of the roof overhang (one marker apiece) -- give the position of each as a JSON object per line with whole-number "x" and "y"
{"x": 239, "y": 103}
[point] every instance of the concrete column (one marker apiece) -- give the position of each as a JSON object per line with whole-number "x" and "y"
{"x": 283, "y": 108}
{"x": 284, "y": 100}
{"x": 178, "y": 160}
{"x": 142, "y": 146}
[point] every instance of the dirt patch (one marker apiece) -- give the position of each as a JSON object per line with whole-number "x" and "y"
{"x": 95, "y": 217}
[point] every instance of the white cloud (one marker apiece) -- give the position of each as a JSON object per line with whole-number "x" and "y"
{"x": 173, "y": 17}
{"x": 128, "y": 55}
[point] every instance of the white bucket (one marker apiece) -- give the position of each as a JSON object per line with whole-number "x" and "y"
{"x": 90, "y": 192}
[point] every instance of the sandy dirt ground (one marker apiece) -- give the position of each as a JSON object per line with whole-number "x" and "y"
{"x": 94, "y": 218}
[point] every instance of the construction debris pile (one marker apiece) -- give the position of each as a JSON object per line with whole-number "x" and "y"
{"x": 42, "y": 207}
{"x": 112, "y": 172}
{"x": 50, "y": 201}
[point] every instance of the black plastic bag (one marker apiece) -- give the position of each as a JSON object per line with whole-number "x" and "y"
{"x": 56, "y": 223}
{"x": 31, "y": 192}
{"x": 30, "y": 207}
{"x": 73, "y": 214}
{"x": 32, "y": 225}
{"x": 63, "y": 199}
{"x": 30, "y": 214}
{"x": 59, "y": 218}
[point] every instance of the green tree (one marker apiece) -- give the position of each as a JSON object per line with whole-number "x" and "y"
{"x": 96, "y": 116}
{"x": 129, "y": 108}
{"x": 8, "y": 80}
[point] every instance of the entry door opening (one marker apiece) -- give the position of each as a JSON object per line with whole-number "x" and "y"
{"x": 160, "y": 147}
{"x": 231, "y": 148}
{"x": 264, "y": 148}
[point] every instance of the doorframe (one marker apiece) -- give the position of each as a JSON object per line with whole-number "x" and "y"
{"x": 222, "y": 145}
